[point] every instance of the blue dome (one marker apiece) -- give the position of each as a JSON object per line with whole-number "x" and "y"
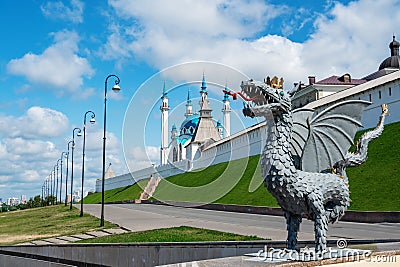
{"x": 189, "y": 125}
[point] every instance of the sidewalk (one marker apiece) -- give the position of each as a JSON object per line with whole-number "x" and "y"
{"x": 77, "y": 237}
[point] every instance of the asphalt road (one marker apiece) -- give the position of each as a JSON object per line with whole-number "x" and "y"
{"x": 140, "y": 217}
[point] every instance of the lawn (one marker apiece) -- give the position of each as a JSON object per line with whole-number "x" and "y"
{"x": 175, "y": 234}
{"x": 117, "y": 194}
{"x": 39, "y": 223}
{"x": 374, "y": 185}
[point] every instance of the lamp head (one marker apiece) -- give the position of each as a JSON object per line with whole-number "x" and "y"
{"x": 79, "y": 133}
{"x": 92, "y": 120}
{"x": 116, "y": 88}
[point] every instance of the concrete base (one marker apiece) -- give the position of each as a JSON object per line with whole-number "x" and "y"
{"x": 150, "y": 254}
{"x": 272, "y": 255}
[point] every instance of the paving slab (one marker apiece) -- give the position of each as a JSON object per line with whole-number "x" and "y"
{"x": 25, "y": 244}
{"x": 55, "y": 240}
{"x": 140, "y": 217}
{"x": 41, "y": 242}
{"x": 238, "y": 261}
{"x": 68, "y": 238}
{"x": 98, "y": 233}
{"x": 83, "y": 236}
{"x": 115, "y": 231}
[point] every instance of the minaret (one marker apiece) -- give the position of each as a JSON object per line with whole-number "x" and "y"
{"x": 226, "y": 112}
{"x": 164, "y": 127}
{"x": 189, "y": 108}
{"x": 203, "y": 91}
{"x": 174, "y": 132}
{"x": 220, "y": 129}
{"x": 206, "y": 128}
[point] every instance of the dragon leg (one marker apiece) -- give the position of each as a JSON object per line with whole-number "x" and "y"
{"x": 293, "y": 224}
{"x": 320, "y": 221}
{"x": 320, "y": 230}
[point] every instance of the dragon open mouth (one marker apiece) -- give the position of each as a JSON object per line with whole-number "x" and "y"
{"x": 261, "y": 96}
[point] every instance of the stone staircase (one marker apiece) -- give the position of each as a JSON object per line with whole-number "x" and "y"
{"x": 150, "y": 188}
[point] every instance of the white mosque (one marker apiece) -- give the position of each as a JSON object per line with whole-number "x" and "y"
{"x": 197, "y": 131}
{"x": 201, "y": 141}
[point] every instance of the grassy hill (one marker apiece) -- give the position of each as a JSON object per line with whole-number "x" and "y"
{"x": 374, "y": 185}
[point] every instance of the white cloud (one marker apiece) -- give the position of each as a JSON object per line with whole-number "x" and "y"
{"x": 31, "y": 175}
{"x": 57, "y": 10}
{"x": 38, "y": 122}
{"x": 349, "y": 38}
{"x": 138, "y": 158}
{"x": 59, "y": 67}
{"x": 30, "y": 149}
{"x": 352, "y": 38}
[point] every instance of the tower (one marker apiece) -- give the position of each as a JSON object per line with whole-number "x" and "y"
{"x": 226, "y": 110}
{"x": 203, "y": 91}
{"x": 220, "y": 129}
{"x": 174, "y": 132}
{"x": 189, "y": 108}
{"x": 206, "y": 128}
{"x": 164, "y": 127}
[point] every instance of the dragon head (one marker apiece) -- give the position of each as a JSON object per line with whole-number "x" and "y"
{"x": 265, "y": 97}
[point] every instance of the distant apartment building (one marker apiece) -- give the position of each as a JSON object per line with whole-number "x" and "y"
{"x": 13, "y": 201}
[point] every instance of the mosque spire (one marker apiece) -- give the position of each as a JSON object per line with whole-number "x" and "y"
{"x": 203, "y": 91}
{"x": 164, "y": 126}
{"x": 203, "y": 84}
{"x": 226, "y": 110}
{"x": 189, "y": 107}
{"x": 164, "y": 93}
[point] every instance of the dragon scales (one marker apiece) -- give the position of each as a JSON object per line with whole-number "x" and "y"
{"x": 305, "y": 157}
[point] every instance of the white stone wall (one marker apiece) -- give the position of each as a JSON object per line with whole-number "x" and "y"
{"x": 380, "y": 95}
{"x": 250, "y": 141}
{"x": 126, "y": 179}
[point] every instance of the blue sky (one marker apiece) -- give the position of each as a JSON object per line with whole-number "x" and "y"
{"x": 55, "y": 56}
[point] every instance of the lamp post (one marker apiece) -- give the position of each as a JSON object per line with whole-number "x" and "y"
{"x": 47, "y": 189}
{"x": 72, "y": 160}
{"x": 63, "y": 154}
{"x": 114, "y": 88}
{"x": 59, "y": 199}
{"x": 51, "y": 186}
{"x": 66, "y": 177}
{"x": 43, "y": 188}
{"x": 54, "y": 186}
{"x": 92, "y": 120}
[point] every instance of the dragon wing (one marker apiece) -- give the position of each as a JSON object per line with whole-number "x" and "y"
{"x": 331, "y": 134}
{"x": 300, "y": 131}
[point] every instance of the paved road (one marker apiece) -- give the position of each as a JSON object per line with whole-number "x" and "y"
{"x": 140, "y": 217}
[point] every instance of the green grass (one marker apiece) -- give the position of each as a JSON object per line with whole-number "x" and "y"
{"x": 131, "y": 192}
{"x": 39, "y": 223}
{"x": 374, "y": 185}
{"x": 175, "y": 234}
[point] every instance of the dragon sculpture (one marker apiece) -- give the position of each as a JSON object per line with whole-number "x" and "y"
{"x": 305, "y": 157}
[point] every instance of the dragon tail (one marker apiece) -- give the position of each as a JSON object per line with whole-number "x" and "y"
{"x": 358, "y": 157}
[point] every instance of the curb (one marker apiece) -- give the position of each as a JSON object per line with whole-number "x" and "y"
{"x": 349, "y": 216}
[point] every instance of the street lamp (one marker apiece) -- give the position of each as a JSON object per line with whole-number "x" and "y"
{"x": 51, "y": 186}
{"x": 92, "y": 120}
{"x": 43, "y": 188}
{"x": 114, "y": 88}
{"x": 66, "y": 177}
{"x": 47, "y": 189}
{"x": 57, "y": 182}
{"x": 54, "y": 186}
{"x": 72, "y": 160}
{"x": 63, "y": 154}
